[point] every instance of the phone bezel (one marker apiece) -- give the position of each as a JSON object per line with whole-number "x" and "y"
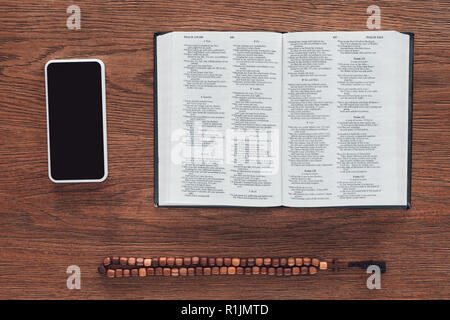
{"x": 105, "y": 146}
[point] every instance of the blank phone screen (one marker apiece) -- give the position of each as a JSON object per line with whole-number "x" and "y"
{"x": 75, "y": 120}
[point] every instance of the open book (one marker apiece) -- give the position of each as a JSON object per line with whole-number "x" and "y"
{"x": 302, "y": 119}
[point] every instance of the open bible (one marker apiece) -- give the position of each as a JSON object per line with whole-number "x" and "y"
{"x": 301, "y": 119}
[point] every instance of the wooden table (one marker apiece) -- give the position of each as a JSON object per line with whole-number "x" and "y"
{"x": 44, "y": 227}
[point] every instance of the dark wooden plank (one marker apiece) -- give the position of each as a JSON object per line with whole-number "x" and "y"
{"x": 46, "y": 227}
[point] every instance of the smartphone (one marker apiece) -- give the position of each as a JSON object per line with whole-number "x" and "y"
{"x": 76, "y": 120}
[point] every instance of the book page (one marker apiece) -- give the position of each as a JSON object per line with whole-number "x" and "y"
{"x": 345, "y": 118}
{"x": 219, "y": 117}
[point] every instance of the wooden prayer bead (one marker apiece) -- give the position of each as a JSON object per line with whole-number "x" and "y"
{"x": 102, "y": 269}
{"x": 219, "y": 262}
{"x": 148, "y": 262}
{"x": 207, "y": 271}
{"x": 315, "y": 262}
{"x": 176, "y": 266}
{"x": 275, "y": 262}
{"x": 131, "y": 261}
{"x": 107, "y": 261}
{"x": 312, "y": 270}
{"x": 291, "y": 262}
{"x": 170, "y": 261}
{"x": 187, "y": 261}
{"x": 179, "y": 262}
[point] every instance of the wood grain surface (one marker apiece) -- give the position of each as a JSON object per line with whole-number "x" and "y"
{"x": 45, "y": 227}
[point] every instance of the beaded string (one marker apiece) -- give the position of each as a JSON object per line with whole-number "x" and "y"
{"x": 118, "y": 267}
